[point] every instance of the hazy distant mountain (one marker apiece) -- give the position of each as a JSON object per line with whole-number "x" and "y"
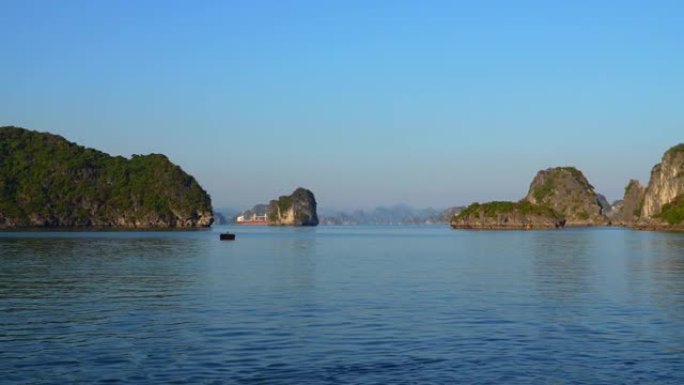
{"x": 399, "y": 214}
{"x": 219, "y": 219}
{"x": 225, "y": 216}
{"x": 259, "y": 209}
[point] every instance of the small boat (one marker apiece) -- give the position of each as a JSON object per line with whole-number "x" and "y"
{"x": 227, "y": 236}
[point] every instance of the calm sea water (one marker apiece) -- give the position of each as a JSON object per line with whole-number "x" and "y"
{"x": 358, "y": 305}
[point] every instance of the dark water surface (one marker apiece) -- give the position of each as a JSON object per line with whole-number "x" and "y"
{"x": 360, "y": 305}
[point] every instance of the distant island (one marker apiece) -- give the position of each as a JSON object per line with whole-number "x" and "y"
{"x": 296, "y": 209}
{"x": 395, "y": 215}
{"x": 47, "y": 181}
{"x": 562, "y": 196}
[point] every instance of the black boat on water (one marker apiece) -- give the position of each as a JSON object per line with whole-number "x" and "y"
{"x": 227, "y": 236}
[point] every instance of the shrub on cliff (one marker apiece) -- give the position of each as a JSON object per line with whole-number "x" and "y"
{"x": 673, "y": 212}
{"x": 492, "y": 209}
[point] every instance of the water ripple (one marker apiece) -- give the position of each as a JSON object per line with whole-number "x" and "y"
{"x": 343, "y": 305}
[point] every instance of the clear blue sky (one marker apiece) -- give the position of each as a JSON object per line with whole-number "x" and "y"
{"x": 430, "y": 103}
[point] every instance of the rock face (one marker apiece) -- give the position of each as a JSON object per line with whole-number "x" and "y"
{"x": 507, "y": 216}
{"x": 663, "y": 200}
{"x": 666, "y": 183}
{"x": 615, "y": 211}
{"x": 628, "y": 210}
{"x": 47, "y": 181}
{"x": 297, "y": 209}
{"x": 557, "y": 197}
{"x": 567, "y": 192}
{"x": 606, "y": 207}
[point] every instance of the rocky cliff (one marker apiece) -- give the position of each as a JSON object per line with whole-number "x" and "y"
{"x": 297, "y": 209}
{"x": 47, "y": 181}
{"x": 567, "y": 191}
{"x": 666, "y": 183}
{"x": 663, "y": 200}
{"x": 628, "y": 210}
{"x": 507, "y": 215}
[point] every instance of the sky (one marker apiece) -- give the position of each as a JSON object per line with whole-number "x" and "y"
{"x": 366, "y": 103}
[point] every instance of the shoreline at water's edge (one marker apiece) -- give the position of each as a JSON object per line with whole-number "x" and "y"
{"x": 504, "y": 228}
{"x": 68, "y": 229}
{"x": 675, "y": 229}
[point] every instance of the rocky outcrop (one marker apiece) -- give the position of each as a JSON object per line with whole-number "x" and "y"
{"x": 615, "y": 211}
{"x": 557, "y": 197}
{"x": 507, "y": 216}
{"x": 567, "y": 191}
{"x": 662, "y": 204}
{"x": 603, "y": 203}
{"x": 47, "y": 181}
{"x": 297, "y": 209}
{"x": 628, "y": 210}
{"x": 666, "y": 183}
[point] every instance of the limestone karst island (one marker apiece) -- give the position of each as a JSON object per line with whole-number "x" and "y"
{"x": 296, "y": 209}
{"x": 47, "y": 181}
{"x": 562, "y": 196}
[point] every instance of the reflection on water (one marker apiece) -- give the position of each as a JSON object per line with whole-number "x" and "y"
{"x": 343, "y": 305}
{"x": 295, "y": 261}
{"x": 58, "y": 267}
{"x": 563, "y": 265}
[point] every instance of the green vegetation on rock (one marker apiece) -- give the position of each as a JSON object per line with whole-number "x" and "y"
{"x": 500, "y": 215}
{"x": 544, "y": 190}
{"x": 568, "y": 192}
{"x": 673, "y": 212}
{"x": 46, "y": 180}
{"x": 552, "y": 177}
{"x": 284, "y": 203}
{"x": 492, "y": 209}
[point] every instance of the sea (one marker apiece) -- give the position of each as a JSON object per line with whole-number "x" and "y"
{"x": 342, "y": 305}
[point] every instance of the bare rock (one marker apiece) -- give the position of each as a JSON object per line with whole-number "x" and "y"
{"x": 666, "y": 183}
{"x": 567, "y": 191}
{"x": 629, "y": 209}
